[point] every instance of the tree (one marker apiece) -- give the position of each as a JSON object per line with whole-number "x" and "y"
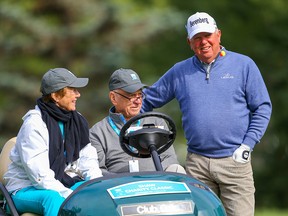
{"x": 91, "y": 38}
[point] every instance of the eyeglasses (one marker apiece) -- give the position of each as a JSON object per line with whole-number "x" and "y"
{"x": 133, "y": 97}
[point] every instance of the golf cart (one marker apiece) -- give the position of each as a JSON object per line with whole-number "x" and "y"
{"x": 143, "y": 193}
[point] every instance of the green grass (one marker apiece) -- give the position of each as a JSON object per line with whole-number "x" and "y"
{"x": 271, "y": 212}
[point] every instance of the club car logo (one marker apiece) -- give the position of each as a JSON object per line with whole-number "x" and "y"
{"x": 142, "y": 209}
{"x": 159, "y": 208}
{"x": 153, "y": 209}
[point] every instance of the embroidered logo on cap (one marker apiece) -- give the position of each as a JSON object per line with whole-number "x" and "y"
{"x": 133, "y": 76}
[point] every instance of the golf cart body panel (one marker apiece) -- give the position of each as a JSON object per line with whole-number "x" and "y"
{"x": 143, "y": 193}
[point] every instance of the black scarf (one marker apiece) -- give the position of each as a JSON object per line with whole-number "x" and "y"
{"x": 76, "y": 133}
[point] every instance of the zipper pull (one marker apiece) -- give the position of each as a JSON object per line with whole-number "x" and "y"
{"x": 207, "y": 75}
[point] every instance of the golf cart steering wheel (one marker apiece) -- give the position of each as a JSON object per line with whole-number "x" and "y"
{"x": 148, "y": 140}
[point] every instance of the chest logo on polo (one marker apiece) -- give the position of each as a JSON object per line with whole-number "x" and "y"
{"x": 227, "y": 76}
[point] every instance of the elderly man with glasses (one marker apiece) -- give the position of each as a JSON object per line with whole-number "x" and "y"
{"x": 126, "y": 96}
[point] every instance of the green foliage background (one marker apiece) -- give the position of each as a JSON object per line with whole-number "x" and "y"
{"x": 93, "y": 38}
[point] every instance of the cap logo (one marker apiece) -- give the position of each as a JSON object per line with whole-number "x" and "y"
{"x": 133, "y": 76}
{"x": 199, "y": 20}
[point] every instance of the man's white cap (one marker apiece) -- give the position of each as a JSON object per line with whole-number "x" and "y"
{"x": 200, "y": 22}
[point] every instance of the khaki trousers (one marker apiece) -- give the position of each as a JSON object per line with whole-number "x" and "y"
{"x": 231, "y": 181}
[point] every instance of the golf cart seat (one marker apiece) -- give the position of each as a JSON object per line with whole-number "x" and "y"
{"x": 5, "y": 161}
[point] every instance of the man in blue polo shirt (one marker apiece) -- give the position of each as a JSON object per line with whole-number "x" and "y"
{"x": 225, "y": 110}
